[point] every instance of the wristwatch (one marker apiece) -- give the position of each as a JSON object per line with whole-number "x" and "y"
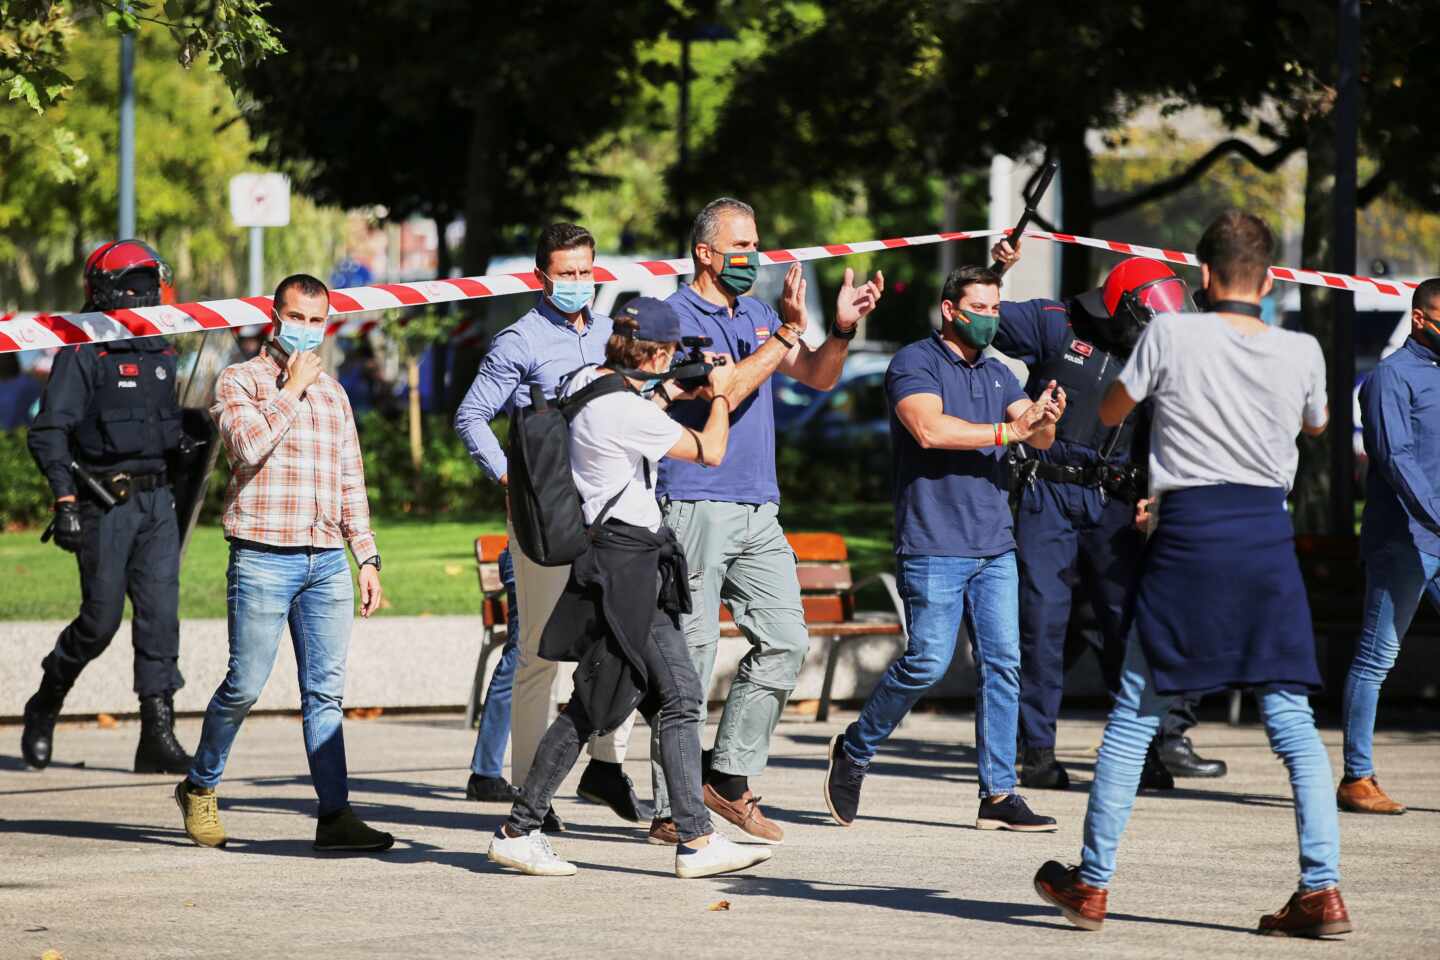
{"x": 373, "y": 561}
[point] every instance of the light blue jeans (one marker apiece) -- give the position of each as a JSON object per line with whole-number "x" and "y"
{"x": 1136, "y": 716}
{"x": 1395, "y": 579}
{"x": 267, "y": 587}
{"x": 494, "y": 732}
{"x": 939, "y": 593}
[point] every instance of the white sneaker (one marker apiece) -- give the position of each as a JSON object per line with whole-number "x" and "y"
{"x": 530, "y": 854}
{"x": 720, "y": 855}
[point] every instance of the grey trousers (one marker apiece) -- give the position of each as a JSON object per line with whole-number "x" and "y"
{"x": 738, "y": 554}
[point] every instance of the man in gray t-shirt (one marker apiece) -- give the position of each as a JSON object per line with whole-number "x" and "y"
{"x": 1215, "y": 422}
{"x": 1221, "y": 603}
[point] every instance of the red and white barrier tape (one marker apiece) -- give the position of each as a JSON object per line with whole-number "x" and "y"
{"x": 1314, "y": 278}
{"x": 54, "y": 330}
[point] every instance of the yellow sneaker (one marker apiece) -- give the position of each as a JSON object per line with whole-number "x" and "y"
{"x": 202, "y": 814}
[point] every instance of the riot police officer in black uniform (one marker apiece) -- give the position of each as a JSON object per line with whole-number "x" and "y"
{"x": 110, "y": 409}
{"x": 1075, "y": 521}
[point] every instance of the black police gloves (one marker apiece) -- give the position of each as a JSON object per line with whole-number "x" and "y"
{"x": 67, "y": 525}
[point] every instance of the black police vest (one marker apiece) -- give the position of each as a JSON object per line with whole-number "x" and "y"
{"x": 1086, "y": 371}
{"x": 133, "y": 417}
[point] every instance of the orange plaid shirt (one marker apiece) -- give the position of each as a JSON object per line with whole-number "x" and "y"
{"x": 296, "y": 474}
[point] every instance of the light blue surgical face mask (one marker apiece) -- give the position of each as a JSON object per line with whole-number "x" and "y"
{"x": 299, "y": 337}
{"x": 571, "y": 296}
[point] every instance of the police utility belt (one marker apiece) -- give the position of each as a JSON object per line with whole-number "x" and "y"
{"x": 1127, "y": 482}
{"x": 121, "y": 485}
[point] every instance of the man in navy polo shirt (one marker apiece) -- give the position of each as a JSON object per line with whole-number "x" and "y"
{"x": 726, "y": 518}
{"x": 953, "y": 413}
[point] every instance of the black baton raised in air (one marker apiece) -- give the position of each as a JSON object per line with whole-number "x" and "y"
{"x": 1047, "y": 173}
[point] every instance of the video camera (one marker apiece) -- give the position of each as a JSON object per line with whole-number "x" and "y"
{"x": 689, "y": 368}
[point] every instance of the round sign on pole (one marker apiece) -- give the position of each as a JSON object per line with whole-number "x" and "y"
{"x": 260, "y": 200}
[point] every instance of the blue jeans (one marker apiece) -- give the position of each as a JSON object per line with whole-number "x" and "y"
{"x": 266, "y": 587}
{"x": 1395, "y": 578}
{"x": 494, "y": 732}
{"x": 940, "y": 593}
{"x": 1138, "y": 710}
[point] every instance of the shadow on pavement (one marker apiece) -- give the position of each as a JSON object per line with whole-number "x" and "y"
{"x": 87, "y": 830}
{"x": 933, "y": 901}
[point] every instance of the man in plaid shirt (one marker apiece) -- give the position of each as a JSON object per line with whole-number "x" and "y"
{"x": 296, "y": 498}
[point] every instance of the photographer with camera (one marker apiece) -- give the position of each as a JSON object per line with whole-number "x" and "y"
{"x": 1075, "y": 523}
{"x": 559, "y": 335}
{"x": 623, "y": 634}
{"x": 727, "y": 518}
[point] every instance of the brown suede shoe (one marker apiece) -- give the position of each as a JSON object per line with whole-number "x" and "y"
{"x": 1318, "y": 913}
{"x": 663, "y": 833}
{"x": 745, "y": 813}
{"x": 1061, "y": 886}
{"x": 1365, "y": 796}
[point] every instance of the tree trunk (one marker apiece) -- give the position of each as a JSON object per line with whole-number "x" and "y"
{"x": 417, "y": 450}
{"x": 481, "y": 182}
{"x": 1312, "y": 480}
{"x": 1077, "y": 213}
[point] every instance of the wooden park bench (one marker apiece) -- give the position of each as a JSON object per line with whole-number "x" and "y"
{"x": 827, "y": 591}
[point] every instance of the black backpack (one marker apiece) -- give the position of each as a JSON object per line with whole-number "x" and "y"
{"x": 545, "y": 507}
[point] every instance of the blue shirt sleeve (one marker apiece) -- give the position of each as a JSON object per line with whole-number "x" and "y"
{"x": 908, "y": 375}
{"x": 1390, "y": 442}
{"x": 1032, "y": 331}
{"x": 500, "y": 374}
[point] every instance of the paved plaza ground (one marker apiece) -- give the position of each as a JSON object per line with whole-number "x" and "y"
{"x": 93, "y": 863}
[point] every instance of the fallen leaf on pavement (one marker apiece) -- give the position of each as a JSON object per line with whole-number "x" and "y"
{"x": 105, "y": 722}
{"x": 719, "y": 905}
{"x": 52, "y": 955}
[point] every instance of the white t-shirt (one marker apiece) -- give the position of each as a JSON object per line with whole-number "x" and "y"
{"x": 1228, "y": 406}
{"x": 610, "y": 440}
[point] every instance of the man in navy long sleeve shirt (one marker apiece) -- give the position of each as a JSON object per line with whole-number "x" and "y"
{"x": 560, "y": 335}
{"x": 1400, "y": 535}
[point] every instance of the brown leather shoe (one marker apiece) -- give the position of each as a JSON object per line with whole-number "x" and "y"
{"x": 663, "y": 833}
{"x": 1061, "y": 886}
{"x": 1317, "y": 913}
{"x": 745, "y": 813}
{"x": 1365, "y": 796}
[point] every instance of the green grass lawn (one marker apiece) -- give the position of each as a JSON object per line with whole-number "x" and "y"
{"x": 429, "y": 565}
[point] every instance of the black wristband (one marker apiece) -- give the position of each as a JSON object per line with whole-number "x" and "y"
{"x": 788, "y": 344}
{"x": 847, "y": 335}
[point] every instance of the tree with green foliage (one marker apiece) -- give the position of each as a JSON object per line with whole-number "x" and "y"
{"x": 35, "y": 37}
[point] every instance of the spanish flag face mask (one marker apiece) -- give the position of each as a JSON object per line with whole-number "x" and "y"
{"x": 738, "y": 271}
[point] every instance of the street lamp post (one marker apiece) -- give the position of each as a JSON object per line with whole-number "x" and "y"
{"x": 127, "y": 131}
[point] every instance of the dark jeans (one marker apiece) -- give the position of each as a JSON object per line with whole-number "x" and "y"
{"x": 678, "y": 721}
{"x": 132, "y": 548}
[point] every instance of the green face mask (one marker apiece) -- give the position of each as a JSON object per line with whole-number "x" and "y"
{"x": 739, "y": 269}
{"x": 979, "y": 331}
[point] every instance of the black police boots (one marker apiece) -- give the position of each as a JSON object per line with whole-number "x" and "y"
{"x": 1039, "y": 770}
{"x": 1154, "y": 776}
{"x": 159, "y": 751}
{"x": 41, "y": 712}
{"x": 1180, "y": 758}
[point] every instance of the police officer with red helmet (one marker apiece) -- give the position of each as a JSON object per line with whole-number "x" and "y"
{"x": 111, "y": 410}
{"x": 1074, "y": 530}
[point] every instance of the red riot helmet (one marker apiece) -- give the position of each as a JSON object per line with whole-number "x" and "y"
{"x": 127, "y": 273}
{"x": 1134, "y": 293}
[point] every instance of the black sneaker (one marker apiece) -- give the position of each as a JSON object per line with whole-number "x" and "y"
{"x": 1039, "y": 770}
{"x": 607, "y": 784}
{"x": 552, "y": 822}
{"x": 1012, "y": 813}
{"x": 842, "y": 783}
{"x": 344, "y": 832}
{"x": 490, "y": 790}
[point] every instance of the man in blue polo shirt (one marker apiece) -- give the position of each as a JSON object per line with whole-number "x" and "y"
{"x": 1400, "y": 535}
{"x": 726, "y": 518}
{"x": 558, "y": 336}
{"x": 953, "y": 413}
